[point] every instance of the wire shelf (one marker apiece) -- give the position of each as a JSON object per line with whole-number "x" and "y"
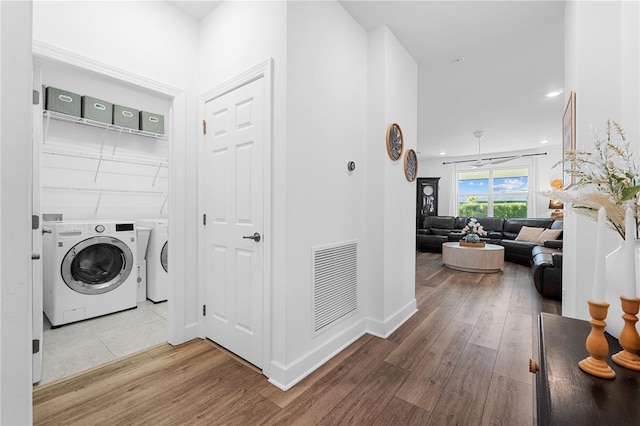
{"x": 87, "y": 122}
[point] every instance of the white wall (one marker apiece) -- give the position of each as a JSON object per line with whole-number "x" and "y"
{"x": 157, "y": 43}
{"x": 602, "y": 47}
{"x": 393, "y": 90}
{"x": 376, "y": 160}
{"x": 149, "y": 38}
{"x": 326, "y": 127}
{"x": 541, "y": 173}
{"x": 15, "y": 212}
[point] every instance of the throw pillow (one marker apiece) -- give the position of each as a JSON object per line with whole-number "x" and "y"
{"x": 529, "y": 234}
{"x": 549, "y": 234}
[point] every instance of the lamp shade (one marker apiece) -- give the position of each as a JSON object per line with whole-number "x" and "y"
{"x": 555, "y": 204}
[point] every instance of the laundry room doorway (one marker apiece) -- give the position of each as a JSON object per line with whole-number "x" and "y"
{"x": 96, "y": 181}
{"x": 235, "y": 169}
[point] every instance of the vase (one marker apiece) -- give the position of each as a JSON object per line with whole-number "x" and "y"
{"x": 621, "y": 281}
{"x": 471, "y": 238}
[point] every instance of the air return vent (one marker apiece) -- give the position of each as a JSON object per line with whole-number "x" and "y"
{"x": 335, "y": 282}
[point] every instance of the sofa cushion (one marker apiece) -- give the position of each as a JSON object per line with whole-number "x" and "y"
{"x": 556, "y": 244}
{"x": 491, "y": 224}
{"x": 512, "y": 226}
{"x": 430, "y": 242}
{"x": 542, "y": 256}
{"x": 437, "y": 231}
{"x": 557, "y": 224}
{"x": 546, "y": 264}
{"x": 460, "y": 222}
{"x": 529, "y": 234}
{"x": 494, "y": 235}
{"x": 549, "y": 234}
{"x": 519, "y": 247}
{"x": 440, "y": 222}
{"x": 517, "y": 251}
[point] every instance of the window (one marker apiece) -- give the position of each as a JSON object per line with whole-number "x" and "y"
{"x": 493, "y": 192}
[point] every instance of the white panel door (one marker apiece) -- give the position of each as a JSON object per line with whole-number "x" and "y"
{"x": 234, "y": 212}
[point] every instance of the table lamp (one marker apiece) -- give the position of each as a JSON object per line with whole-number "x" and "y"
{"x": 557, "y": 205}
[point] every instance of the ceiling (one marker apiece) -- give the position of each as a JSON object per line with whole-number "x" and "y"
{"x": 197, "y": 9}
{"x": 482, "y": 65}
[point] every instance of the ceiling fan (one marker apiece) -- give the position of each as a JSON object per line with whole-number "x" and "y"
{"x": 481, "y": 162}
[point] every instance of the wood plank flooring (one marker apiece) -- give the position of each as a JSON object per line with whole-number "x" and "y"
{"x": 461, "y": 359}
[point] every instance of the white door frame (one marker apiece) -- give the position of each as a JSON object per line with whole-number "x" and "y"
{"x": 45, "y": 53}
{"x": 263, "y": 70}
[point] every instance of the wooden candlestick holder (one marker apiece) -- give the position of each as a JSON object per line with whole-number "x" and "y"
{"x": 629, "y": 339}
{"x": 597, "y": 344}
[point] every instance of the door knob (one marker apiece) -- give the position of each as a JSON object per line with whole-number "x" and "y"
{"x": 255, "y": 237}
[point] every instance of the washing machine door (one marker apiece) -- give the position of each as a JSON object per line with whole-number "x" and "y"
{"x": 97, "y": 265}
{"x": 164, "y": 256}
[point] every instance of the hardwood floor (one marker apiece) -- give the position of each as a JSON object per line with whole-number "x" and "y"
{"x": 461, "y": 359}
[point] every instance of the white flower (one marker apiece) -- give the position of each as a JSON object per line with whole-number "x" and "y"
{"x": 474, "y": 227}
{"x": 607, "y": 177}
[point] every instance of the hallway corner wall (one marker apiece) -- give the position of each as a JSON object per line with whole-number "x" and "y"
{"x": 15, "y": 214}
{"x": 393, "y": 88}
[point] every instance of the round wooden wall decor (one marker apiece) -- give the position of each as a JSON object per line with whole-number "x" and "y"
{"x": 411, "y": 165}
{"x": 394, "y": 141}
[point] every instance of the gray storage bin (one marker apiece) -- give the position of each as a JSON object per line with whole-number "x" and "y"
{"x": 126, "y": 117}
{"x": 63, "y": 101}
{"x": 97, "y": 110}
{"x": 150, "y": 122}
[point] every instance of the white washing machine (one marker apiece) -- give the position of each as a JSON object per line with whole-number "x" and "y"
{"x": 157, "y": 259}
{"x": 88, "y": 269}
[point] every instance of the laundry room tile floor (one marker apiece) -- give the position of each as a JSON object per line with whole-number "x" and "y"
{"x": 76, "y": 347}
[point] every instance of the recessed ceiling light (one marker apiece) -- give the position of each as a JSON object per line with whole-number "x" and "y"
{"x": 544, "y": 141}
{"x": 443, "y": 153}
{"x": 553, "y": 94}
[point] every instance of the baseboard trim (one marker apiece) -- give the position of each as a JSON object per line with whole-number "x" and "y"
{"x": 384, "y": 329}
{"x": 286, "y": 376}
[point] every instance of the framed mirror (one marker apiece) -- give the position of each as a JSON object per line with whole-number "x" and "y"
{"x": 411, "y": 165}
{"x": 395, "y": 141}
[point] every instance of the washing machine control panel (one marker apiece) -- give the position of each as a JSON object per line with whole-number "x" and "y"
{"x": 111, "y": 228}
{"x": 99, "y": 228}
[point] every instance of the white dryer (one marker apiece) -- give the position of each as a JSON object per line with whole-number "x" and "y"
{"x": 157, "y": 259}
{"x": 88, "y": 269}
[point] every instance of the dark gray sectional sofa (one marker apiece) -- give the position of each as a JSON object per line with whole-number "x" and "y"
{"x": 545, "y": 258}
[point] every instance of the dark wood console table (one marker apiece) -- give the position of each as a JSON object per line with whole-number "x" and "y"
{"x": 566, "y": 395}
